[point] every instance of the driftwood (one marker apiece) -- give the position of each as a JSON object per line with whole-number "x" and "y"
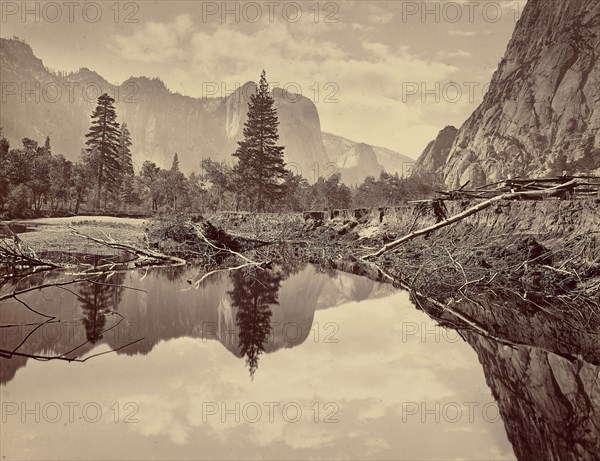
{"x": 142, "y": 253}
{"x": 556, "y": 190}
{"x": 248, "y": 262}
{"x": 14, "y": 253}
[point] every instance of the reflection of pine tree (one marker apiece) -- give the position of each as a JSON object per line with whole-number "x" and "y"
{"x": 252, "y": 295}
{"x": 96, "y": 301}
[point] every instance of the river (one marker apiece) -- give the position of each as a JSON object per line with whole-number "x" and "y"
{"x": 293, "y": 363}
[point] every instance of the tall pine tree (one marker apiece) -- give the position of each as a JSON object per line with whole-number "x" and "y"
{"x": 47, "y": 147}
{"x": 126, "y": 172}
{"x": 103, "y": 139}
{"x": 260, "y": 161}
{"x": 125, "y": 160}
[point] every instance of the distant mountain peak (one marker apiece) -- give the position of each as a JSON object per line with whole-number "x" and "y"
{"x": 357, "y": 160}
{"x": 148, "y": 83}
{"x": 161, "y": 122}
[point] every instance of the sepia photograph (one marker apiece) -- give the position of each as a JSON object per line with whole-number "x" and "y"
{"x": 300, "y": 230}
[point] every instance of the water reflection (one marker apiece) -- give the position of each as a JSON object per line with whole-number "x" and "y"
{"x": 254, "y": 291}
{"x": 97, "y": 299}
{"x": 386, "y": 360}
{"x": 249, "y": 311}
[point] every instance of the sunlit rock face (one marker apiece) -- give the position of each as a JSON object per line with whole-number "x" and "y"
{"x": 355, "y": 161}
{"x": 161, "y": 122}
{"x": 550, "y": 405}
{"x": 541, "y": 114}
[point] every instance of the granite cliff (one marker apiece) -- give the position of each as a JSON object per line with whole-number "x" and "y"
{"x": 38, "y": 102}
{"x": 541, "y": 114}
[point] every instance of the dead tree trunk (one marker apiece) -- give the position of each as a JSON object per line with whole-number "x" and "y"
{"x": 556, "y": 190}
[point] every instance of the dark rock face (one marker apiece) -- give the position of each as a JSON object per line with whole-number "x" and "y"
{"x": 550, "y": 404}
{"x": 433, "y": 159}
{"x": 541, "y": 114}
{"x": 161, "y": 122}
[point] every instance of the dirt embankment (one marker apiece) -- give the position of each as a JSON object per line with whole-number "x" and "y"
{"x": 523, "y": 256}
{"x": 547, "y": 221}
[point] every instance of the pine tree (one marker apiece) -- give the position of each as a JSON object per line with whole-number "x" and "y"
{"x": 175, "y": 183}
{"x": 260, "y": 162}
{"x": 126, "y": 172}
{"x": 103, "y": 138}
{"x": 125, "y": 159}
{"x": 4, "y": 184}
{"x": 47, "y": 147}
{"x": 175, "y": 164}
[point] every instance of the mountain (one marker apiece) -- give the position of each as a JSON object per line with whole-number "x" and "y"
{"x": 161, "y": 122}
{"x": 434, "y": 157}
{"x": 355, "y": 161}
{"x": 541, "y": 114}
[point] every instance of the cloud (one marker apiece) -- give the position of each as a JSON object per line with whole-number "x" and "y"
{"x": 379, "y": 15}
{"x": 382, "y": 18}
{"x": 452, "y": 54}
{"x": 361, "y": 27}
{"x": 154, "y": 42}
{"x": 366, "y": 75}
{"x": 463, "y": 33}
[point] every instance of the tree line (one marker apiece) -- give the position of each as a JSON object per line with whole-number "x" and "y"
{"x": 36, "y": 181}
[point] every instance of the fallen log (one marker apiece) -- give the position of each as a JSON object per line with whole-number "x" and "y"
{"x": 556, "y": 190}
{"x": 140, "y": 252}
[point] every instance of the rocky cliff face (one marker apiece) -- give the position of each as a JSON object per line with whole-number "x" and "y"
{"x": 161, "y": 122}
{"x": 434, "y": 157}
{"x": 550, "y": 405}
{"x": 541, "y": 114}
{"x": 355, "y": 161}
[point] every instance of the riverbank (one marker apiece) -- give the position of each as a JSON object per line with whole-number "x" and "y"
{"x": 524, "y": 271}
{"x": 53, "y": 238}
{"x": 528, "y": 257}
{"x": 537, "y": 250}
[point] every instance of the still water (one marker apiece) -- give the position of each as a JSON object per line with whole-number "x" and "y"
{"x": 297, "y": 363}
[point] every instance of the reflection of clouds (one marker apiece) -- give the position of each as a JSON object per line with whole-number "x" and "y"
{"x": 161, "y": 416}
{"x": 369, "y": 374}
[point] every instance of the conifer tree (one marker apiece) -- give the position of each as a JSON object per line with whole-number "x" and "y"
{"x": 175, "y": 164}
{"x": 47, "y": 147}
{"x": 103, "y": 139}
{"x": 260, "y": 161}
{"x": 125, "y": 160}
{"x": 126, "y": 172}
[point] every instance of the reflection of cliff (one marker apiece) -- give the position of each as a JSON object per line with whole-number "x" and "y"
{"x": 520, "y": 322}
{"x": 169, "y": 308}
{"x": 550, "y": 405}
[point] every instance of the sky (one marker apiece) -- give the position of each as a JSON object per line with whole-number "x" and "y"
{"x": 381, "y": 399}
{"x": 388, "y": 73}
